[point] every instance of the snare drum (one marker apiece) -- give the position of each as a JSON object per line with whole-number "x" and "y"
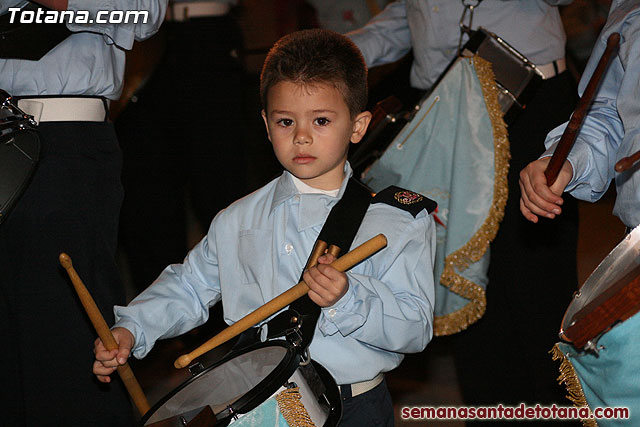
{"x": 601, "y": 330}
{"x": 261, "y": 376}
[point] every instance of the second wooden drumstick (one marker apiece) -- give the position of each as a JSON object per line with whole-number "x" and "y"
{"x": 125, "y": 372}
{"x": 343, "y": 263}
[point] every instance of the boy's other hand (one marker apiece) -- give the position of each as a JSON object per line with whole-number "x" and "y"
{"x": 108, "y": 361}
{"x": 536, "y": 197}
{"x": 326, "y": 284}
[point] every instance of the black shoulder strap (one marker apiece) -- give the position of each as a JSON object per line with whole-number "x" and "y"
{"x": 339, "y": 229}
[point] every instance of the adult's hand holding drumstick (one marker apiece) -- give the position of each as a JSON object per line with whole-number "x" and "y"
{"x": 573, "y": 127}
{"x": 543, "y": 181}
{"x": 125, "y": 372}
{"x": 341, "y": 264}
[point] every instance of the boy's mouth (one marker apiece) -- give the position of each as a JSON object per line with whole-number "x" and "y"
{"x": 303, "y": 159}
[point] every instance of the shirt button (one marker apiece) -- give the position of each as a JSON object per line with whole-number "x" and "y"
{"x": 436, "y": 9}
{"x": 297, "y": 197}
{"x": 288, "y": 248}
{"x": 332, "y": 312}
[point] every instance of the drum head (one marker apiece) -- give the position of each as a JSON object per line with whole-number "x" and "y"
{"x": 618, "y": 268}
{"x": 236, "y": 384}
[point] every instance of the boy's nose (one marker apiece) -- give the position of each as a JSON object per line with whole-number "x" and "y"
{"x": 302, "y": 137}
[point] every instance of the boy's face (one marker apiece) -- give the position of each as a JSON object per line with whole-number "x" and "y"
{"x": 310, "y": 127}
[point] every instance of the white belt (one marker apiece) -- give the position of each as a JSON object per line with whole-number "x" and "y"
{"x": 552, "y": 69}
{"x": 179, "y": 12}
{"x": 365, "y": 386}
{"x": 64, "y": 109}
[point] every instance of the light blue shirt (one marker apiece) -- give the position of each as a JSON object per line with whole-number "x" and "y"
{"x": 611, "y": 129}
{"x": 430, "y": 28}
{"x": 88, "y": 62}
{"x": 256, "y": 249}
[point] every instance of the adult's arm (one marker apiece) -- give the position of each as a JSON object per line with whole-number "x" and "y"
{"x": 386, "y": 38}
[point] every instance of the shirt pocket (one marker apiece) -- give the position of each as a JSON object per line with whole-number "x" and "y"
{"x": 254, "y": 251}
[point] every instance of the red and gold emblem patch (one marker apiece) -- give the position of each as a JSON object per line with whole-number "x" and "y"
{"x": 407, "y": 197}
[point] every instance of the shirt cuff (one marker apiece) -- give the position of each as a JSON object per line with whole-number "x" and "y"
{"x": 573, "y": 161}
{"x": 345, "y": 315}
{"x": 122, "y": 35}
{"x": 139, "y": 349}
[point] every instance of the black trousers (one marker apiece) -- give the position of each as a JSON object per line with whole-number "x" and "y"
{"x": 72, "y": 206}
{"x": 504, "y": 358}
{"x": 182, "y": 138}
{"x": 373, "y": 408}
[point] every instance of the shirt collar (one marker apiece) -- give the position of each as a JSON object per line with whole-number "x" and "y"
{"x": 285, "y": 188}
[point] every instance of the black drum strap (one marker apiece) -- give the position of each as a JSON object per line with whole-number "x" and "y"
{"x": 339, "y": 229}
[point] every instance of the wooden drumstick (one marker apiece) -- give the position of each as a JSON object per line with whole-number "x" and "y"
{"x": 571, "y": 131}
{"x": 343, "y": 263}
{"x": 125, "y": 372}
{"x": 318, "y": 250}
{"x": 626, "y": 162}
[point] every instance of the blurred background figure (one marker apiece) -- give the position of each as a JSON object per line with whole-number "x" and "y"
{"x": 343, "y": 16}
{"x": 180, "y": 131}
{"x": 583, "y": 20}
{"x": 503, "y": 356}
{"x": 71, "y": 205}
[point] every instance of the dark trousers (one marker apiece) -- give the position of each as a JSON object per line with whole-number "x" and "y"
{"x": 373, "y": 408}
{"x": 504, "y": 358}
{"x": 182, "y": 138}
{"x": 72, "y": 206}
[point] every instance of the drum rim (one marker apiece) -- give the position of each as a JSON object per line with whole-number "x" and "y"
{"x": 586, "y": 292}
{"x": 250, "y": 400}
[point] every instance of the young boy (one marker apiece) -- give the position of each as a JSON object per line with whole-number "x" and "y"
{"x": 313, "y": 89}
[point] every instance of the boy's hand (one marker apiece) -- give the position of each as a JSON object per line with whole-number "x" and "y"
{"x": 108, "y": 361}
{"x": 326, "y": 284}
{"x": 536, "y": 197}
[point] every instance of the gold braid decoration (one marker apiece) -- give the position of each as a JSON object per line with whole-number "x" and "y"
{"x": 477, "y": 246}
{"x": 292, "y": 408}
{"x": 569, "y": 377}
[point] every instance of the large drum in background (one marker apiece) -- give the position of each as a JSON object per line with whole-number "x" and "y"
{"x": 601, "y": 334}
{"x": 19, "y": 153}
{"x": 263, "y": 384}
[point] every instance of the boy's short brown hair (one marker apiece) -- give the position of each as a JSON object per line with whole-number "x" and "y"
{"x": 317, "y": 56}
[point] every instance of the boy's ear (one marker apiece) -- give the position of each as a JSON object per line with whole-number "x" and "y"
{"x": 264, "y": 117}
{"x": 360, "y": 125}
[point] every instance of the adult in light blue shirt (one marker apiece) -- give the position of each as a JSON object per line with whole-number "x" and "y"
{"x": 71, "y": 204}
{"x": 502, "y": 357}
{"x": 611, "y": 131}
{"x": 430, "y": 29}
{"x": 90, "y": 61}
{"x": 387, "y": 310}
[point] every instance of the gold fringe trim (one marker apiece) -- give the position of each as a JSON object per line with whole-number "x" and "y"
{"x": 477, "y": 246}
{"x": 569, "y": 377}
{"x": 292, "y": 409}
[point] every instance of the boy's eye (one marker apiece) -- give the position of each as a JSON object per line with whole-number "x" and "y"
{"x": 285, "y": 122}
{"x": 321, "y": 121}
